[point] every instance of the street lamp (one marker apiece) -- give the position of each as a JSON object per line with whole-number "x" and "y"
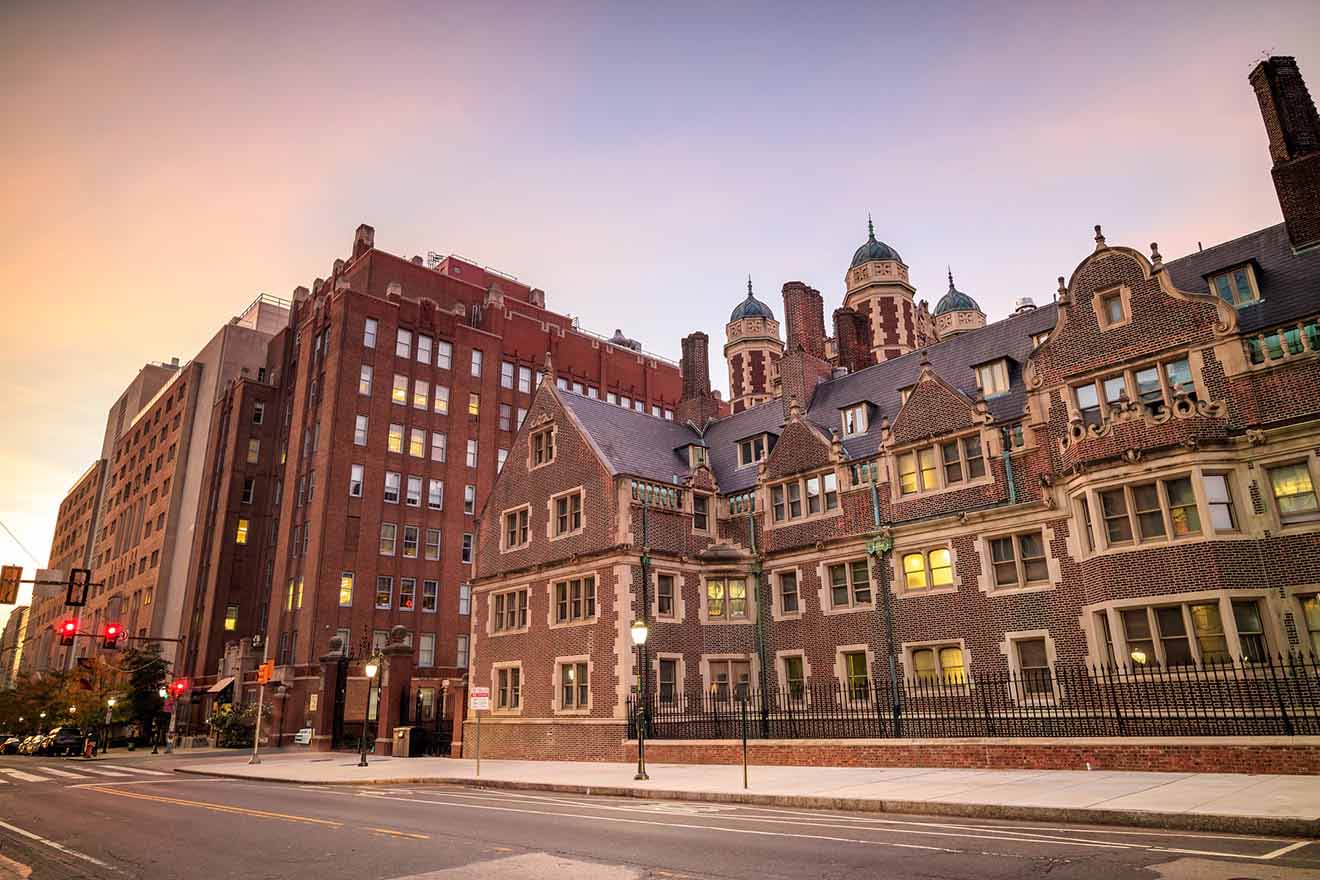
{"x": 371, "y": 668}
{"x": 640, "y": 631}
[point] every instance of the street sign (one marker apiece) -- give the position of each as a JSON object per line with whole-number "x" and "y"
{"x": 10, "y": 575}
{"x": 480, "y": 699}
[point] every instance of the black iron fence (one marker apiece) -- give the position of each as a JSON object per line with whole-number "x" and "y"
{"x": 1279, "y": 697}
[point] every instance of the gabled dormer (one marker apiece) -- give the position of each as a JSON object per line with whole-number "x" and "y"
{"x": 695, "y": 454}
{"x": 855, "y": 418}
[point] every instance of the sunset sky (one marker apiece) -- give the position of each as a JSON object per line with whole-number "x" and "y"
{"x": 163, "y": 164}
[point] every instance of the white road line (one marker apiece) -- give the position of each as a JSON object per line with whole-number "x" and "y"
{"x": 137, "y": 770}
{"x": 63, "y": 773}
{"x": 1269, "y": 856}
{"x": 58, "y": 846}
{"x": 620, "y": 819}
{"x": 26, "y": 777}
{"x": 100, "y": 772}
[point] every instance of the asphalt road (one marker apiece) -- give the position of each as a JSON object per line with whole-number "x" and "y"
{"x": 130, "y": 816}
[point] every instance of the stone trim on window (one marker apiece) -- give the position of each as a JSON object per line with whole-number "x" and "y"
{"x": 777, "y": 611}
{"x": 526, "y": 529}
{"x": 498, "y": 694}
{"x": 552, "y": 600}
{"x": 749, "y": 598}
{"x": 841, "y": 669}
{"x": 781, "y": 683}
{"x": 931, "y": 570}
{"x": 680, "y": 605}
{"x": 1099, "y": 300}
{"x": 909, "y": 649}
{"x": 547, "y": 455}
{"x": 492, "y": 600}
{"x": 557, "y": 683}
{"x": 823, "y": 596}
{"x": 988, "y": 582}
{"x": 1280, "y": 518}
{"x": 679, "y": 701}
{"x": 552, "y": 532}
{"x": 796, "y": 494}
{"x": 708, "y": 681}
{"x": 935, "y": 481}
{"x": 1023, "y": 693}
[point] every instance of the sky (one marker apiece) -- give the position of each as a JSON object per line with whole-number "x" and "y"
{"x": 162, "y": 164}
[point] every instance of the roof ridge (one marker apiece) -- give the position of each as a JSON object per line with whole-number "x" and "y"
{"x": 1231, "y": 241}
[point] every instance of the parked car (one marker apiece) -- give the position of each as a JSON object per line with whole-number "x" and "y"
{"x": 10, "y": 746}
{"x": 63, "y": 740}
{"x": 29, "y": 745}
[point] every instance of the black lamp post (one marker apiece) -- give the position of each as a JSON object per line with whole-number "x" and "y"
{"x": 371, "y": 668}
{"x": 639, "y": 633}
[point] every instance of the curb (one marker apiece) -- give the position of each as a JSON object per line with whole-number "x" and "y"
{"x": 1279, "y": 826}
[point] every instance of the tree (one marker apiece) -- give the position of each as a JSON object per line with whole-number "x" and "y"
{"x": 146, "y": 676}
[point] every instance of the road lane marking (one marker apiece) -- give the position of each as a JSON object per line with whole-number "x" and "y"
{"x": 219, "y": 808}
{"x": 65, "y": 773}
{"x": 393, "y": 833}
{"x": 26, "y": 777}
{"x": 99, "y": 772}
{"x": 1266, "y": 857}
{"x": 58, "y": 846}
{"x": 141, "y": 770}
{"x": 621, "y": 820}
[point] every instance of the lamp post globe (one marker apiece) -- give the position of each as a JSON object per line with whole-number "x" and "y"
{"x": 640, "y": 631}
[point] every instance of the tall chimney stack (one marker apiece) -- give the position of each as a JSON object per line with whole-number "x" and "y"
{"x": 697, "y": 405}
{"x": 1294, "y": 135}
{"x": 852, "y": 339}
{"x": 804, "y": 319}
{"x": 363, "y": 240}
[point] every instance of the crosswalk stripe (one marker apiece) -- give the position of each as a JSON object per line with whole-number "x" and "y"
{"x": 99, "y": 772}
{"x": 63, "y": 773}
{"x": 26, "y": 777}
{"x": 135, "y": 770}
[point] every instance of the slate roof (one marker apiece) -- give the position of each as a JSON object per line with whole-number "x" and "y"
{"x": 633, "y": 442}
{"x": 1289, "y": 283}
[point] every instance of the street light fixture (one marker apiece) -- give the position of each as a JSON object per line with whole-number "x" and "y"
{"x": 109, "y": 708}
{"x": 639, "y": 632}
{"x": 371, "y": 668}
{"x": 163, "y": 693}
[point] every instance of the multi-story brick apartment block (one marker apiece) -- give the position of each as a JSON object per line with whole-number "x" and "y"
{"x": 1127, "y": 476}
{"x": 406, "y": 386}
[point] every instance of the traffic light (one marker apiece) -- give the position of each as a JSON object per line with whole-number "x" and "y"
{"x": 265, "y": 671}
{"x": 10, "y": 575}
{"x": 76, "y": 594}
{"x": 68, "y": 629}
{"x": 179, "y": 687}
{"x": 111, "y": 636}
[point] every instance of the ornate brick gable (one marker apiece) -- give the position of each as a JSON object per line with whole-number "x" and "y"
{"x": 933, "y": 409}
{"x": 802, "y": 447}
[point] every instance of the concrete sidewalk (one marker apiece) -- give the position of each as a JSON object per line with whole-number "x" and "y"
{"x": 1221, "y": 802}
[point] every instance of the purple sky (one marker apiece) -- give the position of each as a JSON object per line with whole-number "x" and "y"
{"x": 162, "y": 166}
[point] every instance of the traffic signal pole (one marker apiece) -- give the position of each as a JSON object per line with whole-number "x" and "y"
{"x": 263, "y": 676}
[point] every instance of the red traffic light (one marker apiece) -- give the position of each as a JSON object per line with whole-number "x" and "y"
{"x": 180, "y": 685}
{"x": 68, "y": 629}
{"x": 112, "y": 633}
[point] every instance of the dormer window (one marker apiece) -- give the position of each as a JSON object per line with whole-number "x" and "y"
{"x": 1038, "y": 338}
{"x": 752, "y": 450}
{"x": 855, "y": 420}
{"x": 1236, "y": 286}
{"x": 905, "y": 393}
{"x": 696, "y": 456}
{"x": 992, "y": 378}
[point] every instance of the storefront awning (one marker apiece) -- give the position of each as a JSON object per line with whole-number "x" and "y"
{"x": 220, "y": 685}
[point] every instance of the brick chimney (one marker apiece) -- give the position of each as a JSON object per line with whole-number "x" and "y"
{"x": 697, "y": 405}
{"x": 363, "y": 240}
{"x": 799, "y": 374}
{"x": 852, "y": 339}
{"x": 804, "y": 318}
{"x": 1294, "y": 134}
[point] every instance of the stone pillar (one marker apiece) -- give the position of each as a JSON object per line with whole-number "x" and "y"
{"x": 332, "y": 668}
{"x": 396, "y": 670}
{"x": 455, "y": 708}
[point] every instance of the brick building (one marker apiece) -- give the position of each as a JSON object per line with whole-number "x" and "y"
{"x": 1129, "y": 476}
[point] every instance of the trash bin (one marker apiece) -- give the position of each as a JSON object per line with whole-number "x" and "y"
{"x": 403, "y": 742}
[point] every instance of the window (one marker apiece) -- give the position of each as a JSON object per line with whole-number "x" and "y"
{"x": 934, "y": 568}
{"x": 510, "y": 611}
{"x": 369, "y": 328}
{"x": 788, "y": 592}
{"x": 472, "y": 453}
{"x": 461, "y": 652}
{"x": 421, "y": 394}
{"x": 1294, "y": 493}
{"x": 393, "y": 482}
{"x": 508, "y": 691}
{"x": 506, "y": 417}
{"x": 364, "y": 380}
{"x": 414, "y": 496}
{"x": 939, "y": 664}
{"x": 948, "y": 464}
{"x": 466, "y": 552}
{"x": 1019, "y": 560}
{"x": 426, "y": 650}
{"x": 501, "y": 456}
{"x": 360, "y": 431}
{"x": 854, "y": 420}
{"x": 400, "y": 393}
{"x": 1014, "y": 436}
{"x": 470, "y": 499}
{"x": 850, "y": 584}
{"x": 442, "y": 399}
{"x": 664, "y": 595}
{"x": 1152, "y": 511}
{"x": 751, "y": 450}
{"x": 1088, "y": 403}
{"x": 388, "y": 534}
{"x": 249, "y": 489}
{"x": 575, "y": 600}
{"x": 411, "y": 534}
{"x": 476, "y": 363}
{"x": 795, "y": 681}
{"x": 820, "y": 491}
{"x": 1191, "y": 634}
{"x": 407, "y": 594}
{"x": 1219, "y": 498}
{"x": 384, "y": 592}
{"x": 432, "y": 544}
{"x": 464, "y": 598}
{"x": 1111, "y": 309}
{"x": 568, "y": 514}
{"x": 730, "y": 678}
{"x": 345, "y": 589}
{"x": 439, "y": 444}
{"x": 1311, "y": 611}
{"x": 857, "y": 675}
{"x": 543, "y": 447}
{"x": 1237, "y": 286}
{"x": 258, "y": 416}
{"x": 430, "y": 596}
{"x": 444, "y": 354}
{"x": 403, "y": 344}
{"x": 231, "y": 618}
{"x": 525, "y": 380}
{"x": 992, "y": 378}
{"x": 435, "y": 494}
{"x": 253, "y": 450}
{"x": 1033, "y": 666}
{"x": 726, "y": 599}
{"x": 516, "y": 531}
{"x": 355, "y": 476}
{"x": 574, "y": 692}
{"x": 474, "y": 404}
{"x": 506, "y": 375}
{"x": 700, "y": 512}
{"x": 668, "y": 681}
{"x": 395, "y": 443}
{"x": 241, "y": 533}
